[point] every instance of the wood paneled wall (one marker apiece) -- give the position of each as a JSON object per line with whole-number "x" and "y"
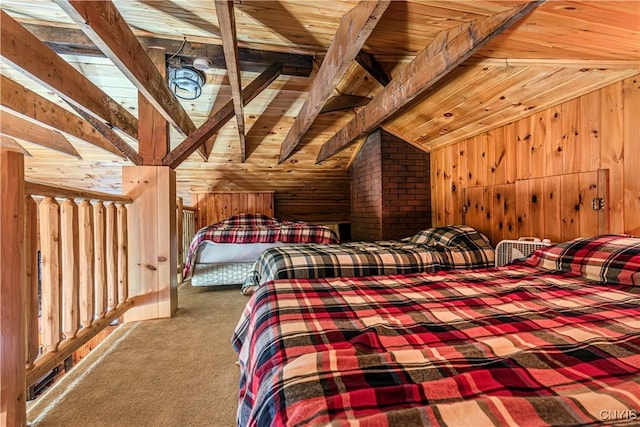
{"x": 315, "y": 196}
{"x": 542, "y": 158}
{"x": 214, "y": 207}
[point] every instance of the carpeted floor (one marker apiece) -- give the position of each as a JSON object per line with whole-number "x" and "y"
{"x": 172, "y": 372}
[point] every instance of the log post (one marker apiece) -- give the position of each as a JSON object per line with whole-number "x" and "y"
{"x": 13, "y": 410}
{"x": 31, "y": 279}
{"x": 152, "y": 218}
{"x": 152, "y": 241}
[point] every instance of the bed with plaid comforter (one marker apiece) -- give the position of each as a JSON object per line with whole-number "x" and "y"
{"x": 433, "y": 249}
{"x": 256, "y": 228}
{"x": 553, "y": 341}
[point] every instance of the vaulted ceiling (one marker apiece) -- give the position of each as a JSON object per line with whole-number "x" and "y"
{"x": 430, "y": 72}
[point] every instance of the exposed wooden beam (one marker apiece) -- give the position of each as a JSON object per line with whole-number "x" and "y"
{"x": 74, "y": 42}
{"x": 449, "y": 49}
{"x": 128, "y": 151}
{"x": 353, "y": 31}
{"x": 20, "y": 128}
{"x": 47, "y": 68}
{"x": 344, "y": 102}
{"x": 153, "y": 133}
{"x": 102, "y": 23}
{"x": 620, "y": 64}
{"x": 373, "y": 67}
{"x": 209, "y": 143}
{"x": 29, "y": 104}
{"x": 227, "y": 24}
{"x": 13, "y": 145}
{"x": 219, "y": 118}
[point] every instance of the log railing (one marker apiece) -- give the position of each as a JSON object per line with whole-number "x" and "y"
{"x": 186, "y": 228}
{"x": 82, "y": 238}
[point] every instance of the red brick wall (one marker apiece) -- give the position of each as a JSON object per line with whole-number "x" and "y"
{"x": 366, "y": 191}
{"x": 406, "y": 191}
{"x": 390, "y": 189}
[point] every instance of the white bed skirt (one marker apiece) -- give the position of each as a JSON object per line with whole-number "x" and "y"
{"x": 232, "y": 273}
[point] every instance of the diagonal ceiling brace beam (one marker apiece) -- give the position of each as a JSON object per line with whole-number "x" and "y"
{"x": 27, "y": 103}
{"x": 104, "y": 25}
{"x": 220, "y": 118}
{"x": 449, "y": 49}
{"x": 12, "y": 125}
{"x": 47, "y": 68}
{"x": 352, "y": 33}
{"x": 128, "y": 151}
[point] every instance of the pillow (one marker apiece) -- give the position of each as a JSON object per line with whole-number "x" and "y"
{"x": 609, "y": 258}
{"x": 248, "y": 219}
{"x": 451, "y": 235}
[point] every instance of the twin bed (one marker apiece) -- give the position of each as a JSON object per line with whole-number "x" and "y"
{"x": 224, "y": 253}
{"x": 253, "y": 249}
{"x": 433, "y": 249}
{"x": 553, "y": 340}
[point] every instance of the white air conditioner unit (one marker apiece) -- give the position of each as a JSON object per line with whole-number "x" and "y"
{"x": 510, "y": 250}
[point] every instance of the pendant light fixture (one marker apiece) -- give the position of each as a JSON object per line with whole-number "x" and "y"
{"x": 186, "y": 82}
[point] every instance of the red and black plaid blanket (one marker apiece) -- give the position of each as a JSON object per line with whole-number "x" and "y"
{"x": 518, "y": 345}
{"x": 257, "y": 228}
{"x": 433, "y": 249}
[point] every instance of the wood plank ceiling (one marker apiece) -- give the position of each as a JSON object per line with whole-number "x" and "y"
{"x": 561, "y": 50}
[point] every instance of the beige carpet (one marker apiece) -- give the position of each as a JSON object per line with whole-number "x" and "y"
{"x": 170, "y": 372}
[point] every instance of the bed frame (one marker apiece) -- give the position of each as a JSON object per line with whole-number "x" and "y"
{"x": 212, "y": 207}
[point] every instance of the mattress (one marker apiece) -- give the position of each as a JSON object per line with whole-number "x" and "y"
{"x": 226, "y": 263}
{"x": 211, "y": 253}
{"x": 232, "y": 273}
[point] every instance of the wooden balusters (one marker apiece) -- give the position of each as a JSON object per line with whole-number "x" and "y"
{"x": 185, "y": 227}
{"x": 180, "y": 239}
{"x": 123, "y": 256}
{"x": 31, "y": 279}
{"x": 50, "y": 279}
{"x": 84, "y": 272}
{"x": 112, "y": 257}
{"x": 69, "y": 256}
{"x": 99, "y": 240}
{"x": 86, "y": 263}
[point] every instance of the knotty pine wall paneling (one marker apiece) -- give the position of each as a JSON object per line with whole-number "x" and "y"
{"x": 538, "y": 175}
{"x": 216, "y": 206}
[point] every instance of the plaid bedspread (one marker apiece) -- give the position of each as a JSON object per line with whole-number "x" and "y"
{"x": 257, "y": 229}
{"x": 511, "y": 346}
{"x": 358, "y": 259}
